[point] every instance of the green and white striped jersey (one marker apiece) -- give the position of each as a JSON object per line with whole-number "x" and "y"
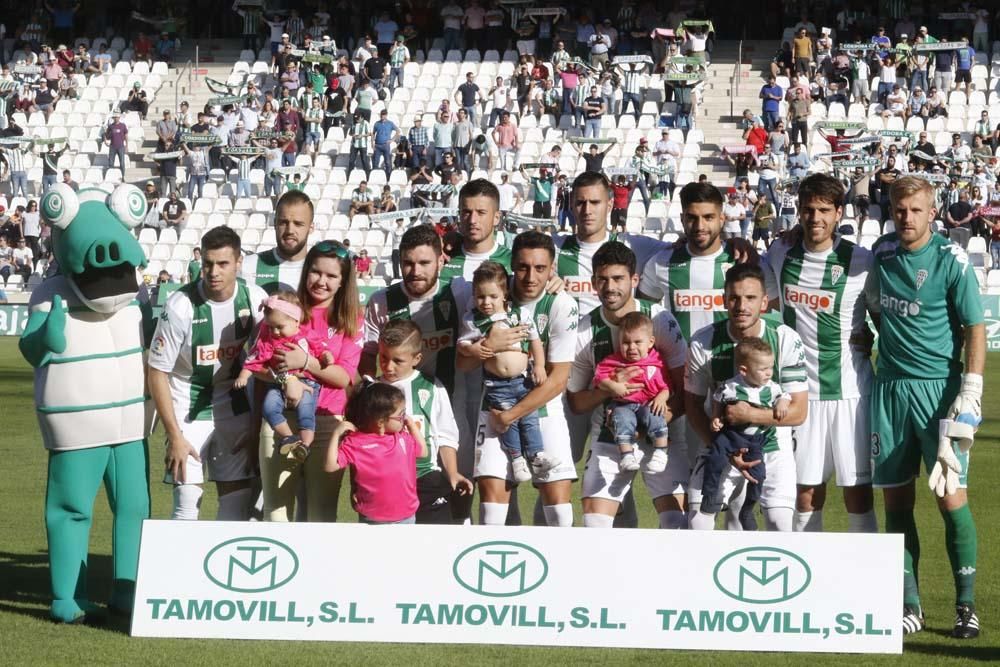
{"x": 428, "y": 404}
{"x": 574, "y": 263}
{"x": 200, "y": 344}
{"x": 598, "y": 339}
{"x": 711, "y": 362}
{"x": 736, "y": 390}
{"x": 438, "y": 314}
{"x": 272, "y": 273}
{"x": 690, "y": 286}
{"x": 822, "y": 296}
{"x": 464, "y": 264}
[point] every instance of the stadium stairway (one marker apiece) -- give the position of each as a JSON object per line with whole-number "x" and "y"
{"x": 722, "y": 104}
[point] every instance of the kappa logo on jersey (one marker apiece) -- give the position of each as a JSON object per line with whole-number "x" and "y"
{"x": 820, "y": 301}
{"x": 836, "y": 272}
{"x": 961, "y": 256}
{"x": 921, "y": 277}
{"x": 694, "y": 300}
{"x": 437, "y": 340}
{"x": 900, "y": 307}
{"x": 208, "y": 355}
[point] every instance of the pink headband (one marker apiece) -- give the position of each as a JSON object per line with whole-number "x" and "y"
{"x": 282, "y": 306}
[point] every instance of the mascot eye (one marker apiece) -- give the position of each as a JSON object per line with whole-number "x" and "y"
{"x": 60, "y": 205}
{"x": 128, "y": 203}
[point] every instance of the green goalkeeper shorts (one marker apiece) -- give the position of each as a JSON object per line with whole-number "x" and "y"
{"x": 904, "y": 425}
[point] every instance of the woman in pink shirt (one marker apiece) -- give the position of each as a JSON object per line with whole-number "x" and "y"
{"x": 329, "y": 288}
{"x": 381, "y": 450}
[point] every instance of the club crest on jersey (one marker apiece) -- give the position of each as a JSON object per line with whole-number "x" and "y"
{"x": 541, "y": 322}
{"x": 836, "y": 271}
{"x": 423, "y": 395}
{"x": 445, "y": 309}
{"x": 726, "y": 266}
{"x": 921, "y": 277}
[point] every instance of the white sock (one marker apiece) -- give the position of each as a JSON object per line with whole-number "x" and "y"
{"x": 592, "y": 520}
{"x": 187, "y": 501}
{"x": 560, "y": 515}
{"x": 862, "y": 523}
{"x": 698, "y": 520}
{"x": 808, "y": 522}
{"x": 235, "y": 505}
{"x": 779, "y": 518}
{"x": 673, "y": 520}
{"x": 492, "y": 514}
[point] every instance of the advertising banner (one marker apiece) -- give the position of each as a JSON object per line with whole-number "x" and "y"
{"x": 720, "y": 590}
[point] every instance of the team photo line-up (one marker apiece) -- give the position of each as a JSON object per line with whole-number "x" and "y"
{"x": 726, "y": 379}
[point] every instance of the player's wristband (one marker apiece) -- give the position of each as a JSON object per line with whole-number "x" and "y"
{"x": 972, "y": 383}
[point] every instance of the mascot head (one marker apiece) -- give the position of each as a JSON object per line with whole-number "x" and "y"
{"x": 93, "y": 242}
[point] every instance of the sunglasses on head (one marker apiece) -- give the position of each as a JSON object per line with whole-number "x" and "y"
{"x": 333, "y": 247}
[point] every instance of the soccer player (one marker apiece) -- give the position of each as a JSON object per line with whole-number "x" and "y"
{"x": 436, "y": 306}
{"x": 925, "y": 302}
{"x": 195, "y": 356}
{"x": 604, "y": 486}
{"x": 687, "y": 277}
{"x": 710, "y": 363}
{"x": 281, "y": 267}
{"x": 556, "y": 318}
{"x": 478, "y": 217}
{"x": 817, "y": 282}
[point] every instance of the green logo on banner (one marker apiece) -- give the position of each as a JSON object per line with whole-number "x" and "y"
{"x": 762, "y": 575}
{"x": 251, "y": 565}
{"x": 500, "y": 569}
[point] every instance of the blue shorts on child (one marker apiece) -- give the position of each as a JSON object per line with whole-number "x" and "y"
{"x": 305, "y": 411}
{"x": 628, "y": 418}
{"x": 524, "y": 435}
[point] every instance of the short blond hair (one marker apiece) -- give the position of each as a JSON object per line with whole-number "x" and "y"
{"x": 907, "y": 186}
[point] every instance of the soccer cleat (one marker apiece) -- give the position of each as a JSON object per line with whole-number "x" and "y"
{"x": 657, "y": 461}
{"x": 628, "y": 463}
{"x": 966, "y": 622}
{"x": 519, "y": 467}
{"x": 913, "y": 619}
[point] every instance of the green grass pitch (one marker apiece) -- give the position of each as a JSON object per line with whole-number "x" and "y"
{"x": 28, "y": 637}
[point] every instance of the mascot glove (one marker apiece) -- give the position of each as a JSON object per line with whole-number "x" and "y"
{"x": 943, "y": 479}
{"x": 968, "y": 405}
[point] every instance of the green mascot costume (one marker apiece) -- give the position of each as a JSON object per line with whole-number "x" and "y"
{"x": 84, "y": 338}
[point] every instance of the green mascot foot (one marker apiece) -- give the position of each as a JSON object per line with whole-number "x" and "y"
{"x": 122, "y": 598}
{"x": 76, "y": 612}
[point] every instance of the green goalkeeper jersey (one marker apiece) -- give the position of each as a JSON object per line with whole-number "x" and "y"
{"x": 925, "y": 298}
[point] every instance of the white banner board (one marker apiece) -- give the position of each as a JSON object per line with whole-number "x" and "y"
{"x": 826, "y": 592}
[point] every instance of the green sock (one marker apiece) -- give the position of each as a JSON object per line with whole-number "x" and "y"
{"x": 960, "y": 541}
{"x": 903, "y": 522}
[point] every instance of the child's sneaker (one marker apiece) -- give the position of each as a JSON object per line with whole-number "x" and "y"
{"x": 542, "y": 463}
{"x": 288, "y": 444}
{"x": 628, "y": 463}
{"x": 658, "y": 460}
{"x": 300, "y": 452}
{"x": 519, "y": 466}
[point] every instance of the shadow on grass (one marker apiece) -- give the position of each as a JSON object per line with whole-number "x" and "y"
{"x": 968, "y": 649}
{"x": 25, "y": 586}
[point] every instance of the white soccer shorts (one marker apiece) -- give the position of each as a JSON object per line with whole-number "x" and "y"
{"x": 835, "y": 437}
{"x": 779, "y": 483}
{"x": 492, "y": 462}
{"x": 215, "y": 441}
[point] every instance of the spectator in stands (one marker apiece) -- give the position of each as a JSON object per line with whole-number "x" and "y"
{"x": 600, "y": 44}
{"x": 116, "y": 137}
{"x": 757, "y": 137}
{"x": 593, "y": 111}
{"x": 802, "y": 52}
{"x": 384, "y": 132}
{"x": 50, "y": 165}
{"x": 593, "y": 159}
{"x": 733, "y": 214}
{"x": 771, "y": 94}
{"x": 142, "y": 48}
{"x": 501, "y": 94}
{"x": 798, "y": 162}
{"x": 463, "y": 135}
{"x": 767, "y": 168}
{"x": 895, "y": 103}
{"x": 164, "y": 47}
{"x": 362, "y": 201}
{"x": 166, "y": 130}
{"x": 937, "y": 103}
{"x": 399, "y": 55}
{"x": 375, "y": 70}
{"x": 505, "y": 136}
{"x": 666, "y": 152}
{"x": 174, "y": 213}
{"x": 419, "y": 141}
{"x": 252, "y": 17}
{"x": 197, "y": 169}
{"x": 917, "y": 104}
{"x": 387, "y": 201}
{"x": 7, "y": 260}
{"x": 153, "y": 219}
{"x": 541, "y": 190}
{"x": 884, "y": 178}
{"x": 136, "y": 101}
{"x": 31, "y": 228}
{"x": 453, "y": 17}
{"x": 361, "y": 135}
{"x": 68, "y": 180}
{"x": 958, "y": 220}
{"x": 798, "y": 117}
{"x": 45, "y": 99}
{"x": 468, "y": 96}
{"x": 548, "y": 100}
{"x": 747, "y": 122}
{"x": 24, "y": 260}
{"x": 422, "y": 176}
{"x": 981, "y": 152}
{"x": 363, "y": 265}
{"x": 631, "y": 88}
{"x": 443, "y": 136}
{"x": 965, "y": 58}
{"x": 168, "y": 167}
{"x": 365, "y": 97}
{"x": 944, "y": 76}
